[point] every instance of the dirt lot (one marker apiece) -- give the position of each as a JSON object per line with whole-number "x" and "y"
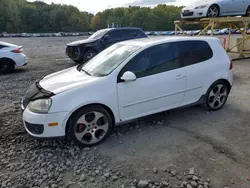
{"x": 159, "y": 148}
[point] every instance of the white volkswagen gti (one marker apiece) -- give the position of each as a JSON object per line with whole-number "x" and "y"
{"x": 126, "y": 81}
{"x": 216, "y": 8}
{"x": 11, "y": 55}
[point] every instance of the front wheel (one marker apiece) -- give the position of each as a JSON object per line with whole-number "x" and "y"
{"x": 89, "y": 55}
{"x": 213, "y": 11}
{"x": 216, "y": 96}
{"x": 90, "y": 126}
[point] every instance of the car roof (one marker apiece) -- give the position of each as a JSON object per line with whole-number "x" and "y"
{"x": 151, "y": 41}
{"x": 126, "y": 28}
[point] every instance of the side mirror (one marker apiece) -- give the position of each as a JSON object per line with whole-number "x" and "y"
{"x": 128, "y": 76}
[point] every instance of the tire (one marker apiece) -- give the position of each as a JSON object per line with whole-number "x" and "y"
{"x": 248, "y": 12}
{"x": 90, "y": 126}
{"x": 77, "y": 61}
{"x": 216, "y": 96}
{"x": 89, "y": 55}
{"x": 213, "y": 11}
{"x": 6, "y": 66}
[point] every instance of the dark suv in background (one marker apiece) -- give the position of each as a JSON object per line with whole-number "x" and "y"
{"x": 83, "y": 50}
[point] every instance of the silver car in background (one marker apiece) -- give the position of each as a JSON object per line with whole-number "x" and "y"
{"x": 216, "y": 8}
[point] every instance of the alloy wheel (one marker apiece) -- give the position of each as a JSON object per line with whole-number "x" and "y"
{"x": 213, "y": 12}
{"x": 91, "y": 128}
{"x": 217, "y": 96}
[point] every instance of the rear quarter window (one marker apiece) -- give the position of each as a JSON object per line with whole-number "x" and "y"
{"x": 193, "y": 52}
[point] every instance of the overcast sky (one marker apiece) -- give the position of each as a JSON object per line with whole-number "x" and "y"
{"x": 95, "y": 6}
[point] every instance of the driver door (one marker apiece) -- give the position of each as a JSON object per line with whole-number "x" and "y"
{"x": 160, "y": 83}
{"x": 234, "y": 7}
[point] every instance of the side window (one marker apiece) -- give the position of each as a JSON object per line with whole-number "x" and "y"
{"x": 154, "y": 60}
{"x": 193, "y": 52}
{"x": 131, "y": 33}
{"x": 116, "y": 34}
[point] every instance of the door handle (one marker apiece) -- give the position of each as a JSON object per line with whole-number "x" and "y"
{"x": 178, "y": 77}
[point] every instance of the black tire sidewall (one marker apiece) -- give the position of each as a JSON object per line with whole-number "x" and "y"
{"x": 78, "y": 114}
{"x": 206, "y": 103}
{"x": 10, "y": 67}
{"x": 248, "y": 8}
{"x": 86, "y": 54}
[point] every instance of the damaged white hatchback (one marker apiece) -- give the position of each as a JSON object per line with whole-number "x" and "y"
{"x": 126, "y": 81}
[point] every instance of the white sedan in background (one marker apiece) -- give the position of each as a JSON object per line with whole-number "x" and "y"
{"x": 216, "y": 8}
{"x": 11, "y": 55}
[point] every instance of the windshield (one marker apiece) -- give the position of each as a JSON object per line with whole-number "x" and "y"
{"x": 109, "y": 59}
{"x": 99, "y": 34}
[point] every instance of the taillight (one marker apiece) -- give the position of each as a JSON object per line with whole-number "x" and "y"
{"x": 231, "y": 64}
{"x": 18, "y": 50}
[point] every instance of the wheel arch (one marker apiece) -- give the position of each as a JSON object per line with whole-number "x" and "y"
{"x": 227, "y": 82}
{"x": 223, "y": 80}
{"x": 7, "y": 59}
{"x": 88, "y": 105}
{"x": 215, "y": 4}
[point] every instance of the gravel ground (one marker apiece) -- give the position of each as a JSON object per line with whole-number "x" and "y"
{"x": 184, "y": 148}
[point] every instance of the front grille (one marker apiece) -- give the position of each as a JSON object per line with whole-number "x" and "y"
{"x": 187, "y": 13}
{"x": 72, "y": 52}
{"x": 34, "y": 128}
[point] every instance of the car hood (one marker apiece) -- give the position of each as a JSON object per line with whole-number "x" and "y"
{"x": 66, "y": 79}
{"x": 199, "y": 3}
{"x": 79, "y": 42}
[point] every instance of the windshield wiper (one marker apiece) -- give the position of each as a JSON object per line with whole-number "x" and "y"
{"x": 86, "y": 72}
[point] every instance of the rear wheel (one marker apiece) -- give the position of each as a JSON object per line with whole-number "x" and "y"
{"x": 6, "y": 66}
{"x": 213, "y": 11}
{"x": 216, "y": 96}
{"x": 90, "y": 126}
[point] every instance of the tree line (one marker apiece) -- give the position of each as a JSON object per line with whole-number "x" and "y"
{"x": 17, "y": 16}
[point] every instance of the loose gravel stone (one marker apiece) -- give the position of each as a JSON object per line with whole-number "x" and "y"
{"x": 106, "y": 175}
{"x": 194, "y": 184}
{"x": 155, "y": 170}
{"x": 82, "y": 177}
{"x": 173, "y": 172}
{"x": 143, "y": 183}
{"x": 206, "y": 185}
{"x": 115, "y": 178}
{"x": 184, "y": 184}
{"x": 189, "y": 186}
{"x": 191, "y": 171}
{"x": 195, "y": 178}
{"x": 165, "y": 184}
